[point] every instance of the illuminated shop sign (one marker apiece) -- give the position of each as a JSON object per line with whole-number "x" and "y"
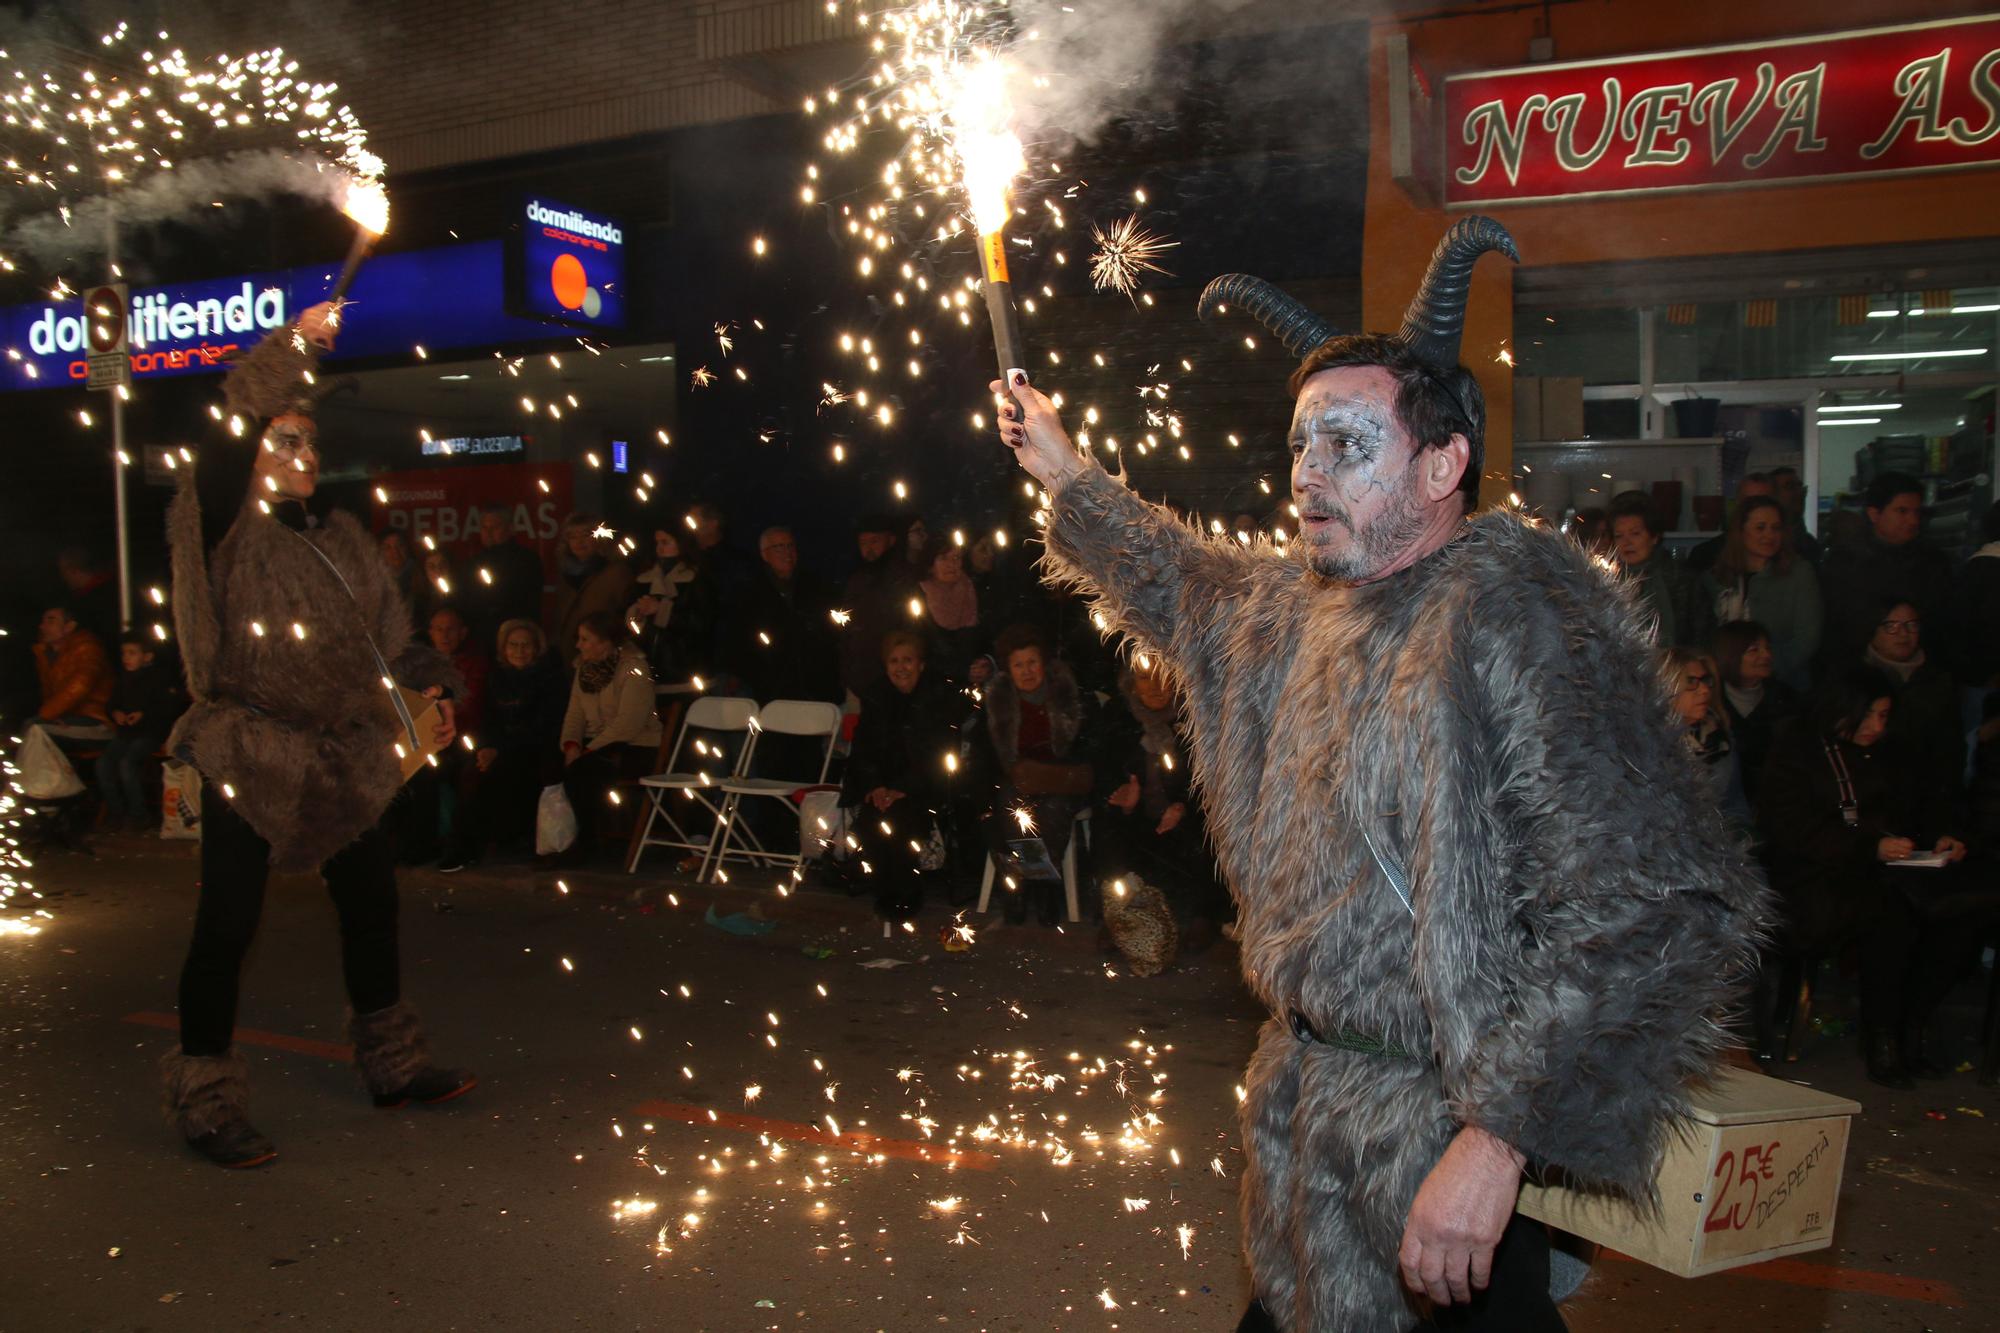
{"x": 438, "y": 299}
{"x": 1922, "y": 97}
{"x": 571, "y": 266}
{"x": 467, "y": 446}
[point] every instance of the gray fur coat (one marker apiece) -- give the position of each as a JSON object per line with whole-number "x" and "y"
{"x": 1496, "y": 718}
{"x": 300, "y": 729}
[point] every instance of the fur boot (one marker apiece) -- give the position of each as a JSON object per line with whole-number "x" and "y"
{"x": 389, "y": 1048}
{"x": 204, "y": 1093}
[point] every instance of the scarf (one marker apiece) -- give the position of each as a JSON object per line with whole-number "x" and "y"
{"x": 954, "y": 605}
{"x": 1902, "y": 671}
{"x": 576, "y": 572}
{"x": 594, "y": 676}
{"x": 1745, "y": 699}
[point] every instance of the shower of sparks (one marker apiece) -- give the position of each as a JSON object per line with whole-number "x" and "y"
{"x": 1124, "y": 253}
{"x": 723, "y": 340}
{"x": 1025, "y": 818}
{"x": 701, "y": 377}
{"x": 138, "y": 105}
{"x": 1185, "y": 1234}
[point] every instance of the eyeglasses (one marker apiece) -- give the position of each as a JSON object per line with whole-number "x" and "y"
{"x": 1900, "y": 626}
{"x": 1689, "y": 684}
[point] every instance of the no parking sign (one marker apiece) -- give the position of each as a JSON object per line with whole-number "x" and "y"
{"x": 104, "y": 313}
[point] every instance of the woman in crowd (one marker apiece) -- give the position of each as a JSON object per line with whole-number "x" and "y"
{"x": 1150, "y": 825}
{"x": 1928, "y": 718}
{"x": 1839, "y": 810}
{"x": 1666, "y": 587}
{"x": 951, "y": 606}
{"x": 1755, "y": 702}
{"x": 610, "y": 707}
{"x": 1038, "y": 721}
{"x": 1760, "y": 577}
{"x": 898, "y": 773}
{"x": 518, "y": 750}
{"x": 435, "y": 586}
{"x": 917, "y": 549}
{"x": 593, "y": 579}
{"x": 675, "y": 613}
{"x": 1706, "y": 730}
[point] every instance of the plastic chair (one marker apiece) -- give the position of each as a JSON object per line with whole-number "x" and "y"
{"x": 723, "y": 713}
{"x": 783, "y": 717}
{"x": 1079, "y": 831}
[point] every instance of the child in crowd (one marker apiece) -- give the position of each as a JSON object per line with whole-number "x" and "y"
{"x": 145, "y": 701}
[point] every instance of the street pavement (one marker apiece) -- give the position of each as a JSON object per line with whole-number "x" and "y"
{"x": 683, "y": 1128}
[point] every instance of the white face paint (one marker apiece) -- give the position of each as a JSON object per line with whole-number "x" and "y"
{"x": 1354, "y": 474}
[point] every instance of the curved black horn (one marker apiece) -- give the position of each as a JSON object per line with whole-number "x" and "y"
{"x": 1436, "y": 318}
{"x": 1298, "y": 328}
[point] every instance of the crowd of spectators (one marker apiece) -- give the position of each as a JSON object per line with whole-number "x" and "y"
{"x": 1840, "y": 699}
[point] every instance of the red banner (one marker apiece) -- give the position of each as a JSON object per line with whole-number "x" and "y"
{"x": 1923, "y": 97}
{"x": 445, "y": 503}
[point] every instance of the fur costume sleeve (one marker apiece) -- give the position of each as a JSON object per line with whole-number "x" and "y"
{"x": 1174, "y": 592}
{"x": 194, "y": 600}
{"x": 1618, "y": 921}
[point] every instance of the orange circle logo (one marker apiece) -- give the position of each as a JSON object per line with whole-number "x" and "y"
{"x": 569, "y": 282}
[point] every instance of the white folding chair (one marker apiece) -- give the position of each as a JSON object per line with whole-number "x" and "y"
{"x": 696, "y": 784}
{"x": 1079, "y": 831}
{"x": 781, "y": 717}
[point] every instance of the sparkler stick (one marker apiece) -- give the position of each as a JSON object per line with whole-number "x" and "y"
{"x": 1000, "y": 303}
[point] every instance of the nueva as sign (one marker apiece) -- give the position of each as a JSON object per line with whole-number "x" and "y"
{"x": 572, "y": 265}
{"x": 1922, "y": 97}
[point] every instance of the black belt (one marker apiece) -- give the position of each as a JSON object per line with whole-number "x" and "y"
{"x": 1347, "y": 1039}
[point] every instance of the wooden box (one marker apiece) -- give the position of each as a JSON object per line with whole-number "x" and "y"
{"x": 1759, "y": 1177}
{"x": 413, "y": 753}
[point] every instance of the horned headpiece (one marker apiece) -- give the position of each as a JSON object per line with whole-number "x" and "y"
{"x": 1431, "y": 327}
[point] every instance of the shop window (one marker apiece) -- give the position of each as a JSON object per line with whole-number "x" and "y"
{"x": 1596, "y": 346}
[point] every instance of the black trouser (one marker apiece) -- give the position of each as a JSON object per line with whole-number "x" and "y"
{"x": 1516, "y": 1299}
{"x": 898, "y": 890}
{"x": 588, "y": 783}
{"x": 1175, "y": 862}
{"x": 501, "y": 807}
{"x": 235, "y": 865}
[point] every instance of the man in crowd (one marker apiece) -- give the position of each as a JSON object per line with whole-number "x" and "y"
{"x": 874, "y": 599}
{"x": 1666, "y": 588}
{"x": 1891, "y": 560}
{"x": 1480, "y": 887}
{"x": 1790, "y": 489}
{"x": 780, "y": 645}
{"x": 90, "y": 592}
{"x": 729, "y": 567}
{"x": 76, "y": 680}
{"x": 505, "y": 579}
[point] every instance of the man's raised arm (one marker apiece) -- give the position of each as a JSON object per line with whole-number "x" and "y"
{"x": 1154, "y": 577}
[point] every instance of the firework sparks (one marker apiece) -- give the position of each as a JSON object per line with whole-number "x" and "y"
{"x": 701, "y": 377}
{"x": 1124, "y": 253}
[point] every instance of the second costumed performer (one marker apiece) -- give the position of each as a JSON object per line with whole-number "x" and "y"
{"x": 1480, "y": 885}
{"x": 288, "y": 627}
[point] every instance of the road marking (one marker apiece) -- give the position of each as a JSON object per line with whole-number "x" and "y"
{"x": 325, "y": 1050}
{"x": 1798, "y": 1273}
{"x": 793, "y": 1131}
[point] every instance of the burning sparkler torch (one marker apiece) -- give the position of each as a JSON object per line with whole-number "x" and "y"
{"x": 368, "y": 204}
{"x": 990, "y": 153}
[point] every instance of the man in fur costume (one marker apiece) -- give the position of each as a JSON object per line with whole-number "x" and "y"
{"x": 1480, "y": 886}
{"x": 288, "y": 627}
